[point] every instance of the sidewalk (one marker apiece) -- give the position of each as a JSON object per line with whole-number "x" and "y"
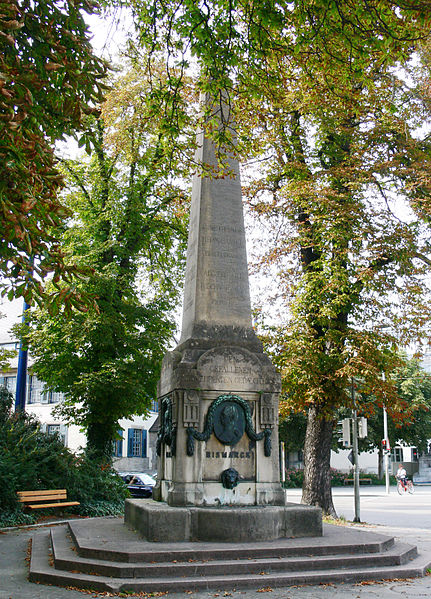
{"x": 14, "y": 583}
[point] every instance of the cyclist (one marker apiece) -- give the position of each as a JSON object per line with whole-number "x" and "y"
{"x": 401, "y": 475}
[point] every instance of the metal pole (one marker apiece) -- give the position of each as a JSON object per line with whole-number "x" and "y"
{"x": 282, "y": 462}
{"x": 357, "y": 517}
{"x": 21, "y": 375}
{"x": 385, "y": 436}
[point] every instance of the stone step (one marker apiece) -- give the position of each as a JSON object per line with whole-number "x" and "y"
{"x": 42, "y": 570}
{"x": 65, "y": 558}
{"x": 95, "y": 541}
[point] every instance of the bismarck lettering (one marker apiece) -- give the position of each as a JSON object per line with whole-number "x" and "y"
{"x": 247, "y": 455}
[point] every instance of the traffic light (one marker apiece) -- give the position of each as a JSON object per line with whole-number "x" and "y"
{"x": 345, "y": 432}
{"x": 362, "y": 427}
{"x": 385, "y": 446}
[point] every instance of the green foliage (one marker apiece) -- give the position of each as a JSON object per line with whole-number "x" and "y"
{"x": 128, "y": 232}
{"x": 31, "y": 460}
{"x": 49, "y": 77}
{"x": 295, "y": 478}
{"x": 102, "y": 507}
{"x": 16, "y": 518}
{"x": 409, "y": 421}
{"x": 292, "y": 429}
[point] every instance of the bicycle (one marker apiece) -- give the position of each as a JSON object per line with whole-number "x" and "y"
{"x": 402, "y": 488}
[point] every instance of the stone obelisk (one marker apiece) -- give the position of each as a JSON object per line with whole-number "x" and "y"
{"x": 219, "y": 359}
{"x": 218, "y": 393}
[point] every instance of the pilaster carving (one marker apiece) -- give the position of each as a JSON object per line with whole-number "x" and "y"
{"x": 267, "y": 411}
{"x": 191, "y": 408}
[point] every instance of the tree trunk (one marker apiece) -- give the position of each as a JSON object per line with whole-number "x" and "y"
{"x": 99, "y": 441}
{"x": 317, "y": 455}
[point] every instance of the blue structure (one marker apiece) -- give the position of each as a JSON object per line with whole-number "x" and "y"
{"x": 21, "y": 376}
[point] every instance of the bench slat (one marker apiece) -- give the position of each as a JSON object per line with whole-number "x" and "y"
{"x": 37, "y": 506}
{"x": 42, "y": 492}
{"x": 34, "y": 498}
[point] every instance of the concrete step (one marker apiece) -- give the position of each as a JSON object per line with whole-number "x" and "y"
{"x": 42, "y": 570}
{"x": 65, "y": 558}
{"x": 53, "y": 550}
{"x": 95, "y": 540}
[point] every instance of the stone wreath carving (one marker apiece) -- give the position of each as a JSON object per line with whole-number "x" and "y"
{"x": 228, "y": 423}
{"x": 167, "y": 430}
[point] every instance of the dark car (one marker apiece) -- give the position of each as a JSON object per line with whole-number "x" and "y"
{"x": 139, "y": 485}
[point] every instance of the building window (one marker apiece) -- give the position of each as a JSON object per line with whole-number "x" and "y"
{"x": 55, "y": 397}
{"x": 154, "y": 406}
{"x": 38, "y": 394}
{"x": 397, "y": 454}
{"x": 57, "y": 429}
{"x": 137, "y": 443}
{"x": 36, "y": 391}
{"x": 53, "y": 429}
{"x": 9, "y": 382}
{"x": 117, "y": 450}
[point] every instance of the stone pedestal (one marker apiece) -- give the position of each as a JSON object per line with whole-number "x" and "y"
{"x": 218, "y": 417}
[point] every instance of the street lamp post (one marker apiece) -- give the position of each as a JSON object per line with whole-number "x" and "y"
{"x": 357, "y": 517}
{"x": 21, "y": 375}
{"x": 386, "y": 448}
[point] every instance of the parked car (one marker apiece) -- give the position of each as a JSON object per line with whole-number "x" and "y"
{"x": 139, "y": 485}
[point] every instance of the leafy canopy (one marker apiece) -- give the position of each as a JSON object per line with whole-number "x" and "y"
{"x": 128, "y": 227}
{"x": 49, "y": 77}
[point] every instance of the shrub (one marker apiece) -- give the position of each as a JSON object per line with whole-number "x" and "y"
{"x": 338, "y": 477}
{"x": 31, "y": 459}
{"x": 16, "y": 518}
{"x": 295, "y": 478}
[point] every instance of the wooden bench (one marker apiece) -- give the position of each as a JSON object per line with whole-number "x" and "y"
{"x": 347, "y": 481}
{"x": 35, "y": 500}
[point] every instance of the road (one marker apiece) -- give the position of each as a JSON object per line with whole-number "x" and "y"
{"x": 403, "y": 511}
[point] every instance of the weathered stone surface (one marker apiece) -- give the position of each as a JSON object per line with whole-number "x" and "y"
{"x": 216, "y": 285}
{"x": 159, "y": 522}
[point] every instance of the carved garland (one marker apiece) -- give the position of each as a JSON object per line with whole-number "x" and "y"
{"x": 168, "y": 430}
{"x": 193, "y": 434}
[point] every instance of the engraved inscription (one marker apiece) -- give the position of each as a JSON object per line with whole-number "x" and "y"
{"x": 247, "y": 455}
{"x": 231, "y": 368}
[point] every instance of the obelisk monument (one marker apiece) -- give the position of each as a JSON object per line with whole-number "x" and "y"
{"x": 218, "y": 392}
{"x": 218, "y": 356}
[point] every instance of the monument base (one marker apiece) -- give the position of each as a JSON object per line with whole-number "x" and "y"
{"x": 211, "y": 494}
{"x": 159, "y": 522}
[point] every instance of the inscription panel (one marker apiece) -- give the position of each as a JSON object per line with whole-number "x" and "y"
{"x": 230, "y": 369}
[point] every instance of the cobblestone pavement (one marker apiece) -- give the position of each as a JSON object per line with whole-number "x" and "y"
{"x": 14, "y": 584}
